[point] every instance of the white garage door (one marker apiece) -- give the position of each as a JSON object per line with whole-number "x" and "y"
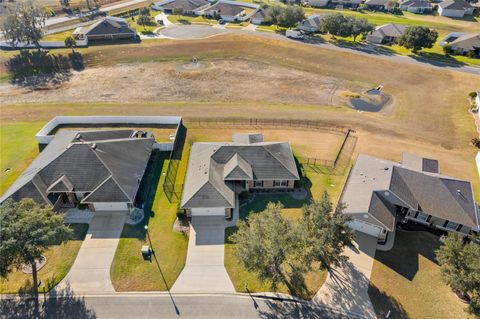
{"x": 208, "y": 211}
{"x": 110, "y": 206}
{"x": 365, "y": 228}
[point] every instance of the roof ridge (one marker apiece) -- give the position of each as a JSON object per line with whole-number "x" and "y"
{"x": 264, "y": 146}
{"x": 96, "y": 188}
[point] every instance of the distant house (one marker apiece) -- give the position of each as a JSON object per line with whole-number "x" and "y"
{"x": 379, "y": 193}
{"x": 258, "y": 17}
{"x": 377, "y": 5}
{"x": 317, "y": 3}
{"x": 187, "y": 7}
{"x": 416, "y": 6}
{"x": 455, "y": 8}
{"x": 102, "y": 169}
{"x": 346, "y": 3}
{"x": 310, "y": 24}
{"x": 386, "y": 33}
{"x": 467, "y": 44}
{"x": 218, "y": 172}
{"x": 109, "y": 28}
{"x": 227, "y": 11}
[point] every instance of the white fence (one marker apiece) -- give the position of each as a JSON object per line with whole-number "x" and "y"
{"x": 44, "y": 136}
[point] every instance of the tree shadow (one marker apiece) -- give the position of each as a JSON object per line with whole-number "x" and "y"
{"x": 60, "y": 303}
{"x": 184, "y": 21}
{"x": 437, "y": 59}
{"x": 383, "y": 303}
{"x": 291, "y": 309}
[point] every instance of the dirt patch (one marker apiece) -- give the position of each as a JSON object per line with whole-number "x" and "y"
{"x": 218, "y": 80}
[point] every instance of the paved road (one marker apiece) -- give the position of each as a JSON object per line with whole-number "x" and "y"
{"x": 204, "y": 269}
{"x": 90, "y": 272}
{"x": 346, "y": 288}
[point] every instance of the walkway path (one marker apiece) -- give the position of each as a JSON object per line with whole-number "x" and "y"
{"x": 91, "y": 271}
{"x": 347, "y": 288}
{"x": 204, "y": 270}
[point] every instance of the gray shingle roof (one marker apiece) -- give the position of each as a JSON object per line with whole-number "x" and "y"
{"x": 416, "y": 3}
{"x": 186, "y": 5}
{"x": 107, "y": 26}
{"x": 389, "y": 30}
{"x": 107, "y": 192}
{"x": 260, "y": 14}
{"x": 376, "y": 2}
{"x": 455, "y": 5}
{"x": 382, "y": 210}
{"x": 210, "y": 163}
{"x": 72, "y": 164}
{"x": 226, "y": 9}
{"x": 420, "y": 163}
{"x": 467, "y": 42}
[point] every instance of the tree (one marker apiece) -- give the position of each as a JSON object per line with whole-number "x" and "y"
{"x": 144, "y": 17}
{"x": 416, "y": 38}
{"x": 336, "y": 24}
{"x": 290, "y": 16}
{"x": 272, "y": 14}
{"x": 447, "y": 49}
{"x": 65, "y": 3}
{"x": 359, "y": 26}
{"x": 70, "y": 42}
{"x": 390, "y": 5}
{"x": 460, "y": 267}
{"x": 28, "y": 229}
{"x": 325, "y": 234}
{"x": 23, "y": 22}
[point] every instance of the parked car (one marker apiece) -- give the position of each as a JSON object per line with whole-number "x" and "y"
{"x": 294, "y": 34}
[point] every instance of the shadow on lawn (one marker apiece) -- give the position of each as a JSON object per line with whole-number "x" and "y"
{"x": 383, "y": 303}
{"x": 408, "y": 246}
{"x": 437, "y": 59}
{"x": 288, "y": 309}
{"x": 60, "y": 304}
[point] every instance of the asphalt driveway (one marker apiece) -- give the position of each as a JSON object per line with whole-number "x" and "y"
{"x": 91, "y": 271}
{"x": 204, "y": 269}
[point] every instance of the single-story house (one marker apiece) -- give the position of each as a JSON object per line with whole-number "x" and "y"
{"x": 377, "y": 5}
{"x": 380, "y": 193}
{"x": 317, "y": 3}
{"x": 227, "y": 11}
{"x": 258, "y": 17}
{"x": 311, "y": 23}
{"x": 218, "y": 172}
{"x": 386, "y": 34}
{"x": 467, "y": 44}
{"x": 102, "y": 169}
{"x": 187, "y": 7}
{"x": 346, "y": 3}
{"x": 455, "y": 8}
{"x": 416, "y": 6}
{"x": 109, "y": 28}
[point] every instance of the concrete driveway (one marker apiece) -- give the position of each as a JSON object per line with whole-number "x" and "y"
{"x": 346, "y": 288}
{"x": 90, "y": 272}
{"x": 204, "y": 269}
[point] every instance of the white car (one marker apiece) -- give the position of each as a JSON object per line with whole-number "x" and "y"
{"x": 294, "y": 34}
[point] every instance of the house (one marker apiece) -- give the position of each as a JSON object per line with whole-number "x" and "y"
{"x": 346, "y": 3}
{"x": 187, "y": 7}
{"x": 467, "y": 44}
{"x": 380, "y": 193}
{"x": 386, "y": 33}
{"x": 227, "y": 11}
{"x": 455, "y": 8}
{"x": 377, "y": 5}
{"x": 102, "y": 169}
{"x": 310, "y": 24}
{"x": 416, "y": 6}
{"x": 258, "y": 17}
{"x": 109, "y": 28}
{"x": 218, "y": 172}
{"x": 317, "y": 3}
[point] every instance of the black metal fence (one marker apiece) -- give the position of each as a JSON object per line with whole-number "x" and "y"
{"x": 172, "y": 190}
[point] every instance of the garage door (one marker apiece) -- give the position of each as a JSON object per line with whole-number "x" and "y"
{"x": 208, "y": 211}
{"x": 111, "y": 206}
{"x": 365, "y": 228}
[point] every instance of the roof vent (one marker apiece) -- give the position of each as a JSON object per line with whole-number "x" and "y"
{"x": 79, "y": 136}
{"x": 94, "y": 146}
{"x": 386, "y": 168}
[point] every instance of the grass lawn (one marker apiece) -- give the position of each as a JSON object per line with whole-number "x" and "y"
{"x": 129, "y": 272}
{"x": 407, "y": 281}
{"x": 132, "y": 22}
{"x": 59, "y": 36}
{"x": 183, "y": 19}
{"x": 59, "y": 260}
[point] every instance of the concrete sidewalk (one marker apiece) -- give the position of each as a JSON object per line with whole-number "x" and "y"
{"x": 204, "y": 269}
{"x": 91, "y": 271}
{"x": 346, "y": 288}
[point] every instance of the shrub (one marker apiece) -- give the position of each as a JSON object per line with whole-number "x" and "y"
{"x": 472, "y": 95}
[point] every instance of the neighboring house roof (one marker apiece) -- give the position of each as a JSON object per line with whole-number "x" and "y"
{"x": 389, "y": 30}
{"x": 455, "y": 5}
{"x": 107, "y": 164}
{"x": 441, "y": 196}
{"x": 247, "y": 138}
{"x": 312, "y": 22}
{"x": 468, "y": 42}
{"x": 416, "y": 3}
{"x": 213, "y": 166}
{"x": 376, "y": 2}
{"x": 227, "y": 9}
{"x": 186, "y": 5}
{"x": 260, "y": 14}
{"x": 419, "y": 163}
{"x": 106, "y": 26}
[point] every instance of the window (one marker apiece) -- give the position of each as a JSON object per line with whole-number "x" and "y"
{"x": 258, "y": 184}
{"x": 280, "y": 183}
{"x": 451, "y": 225}
{"x": 423, "y": 217}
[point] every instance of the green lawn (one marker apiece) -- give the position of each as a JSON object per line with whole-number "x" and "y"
{"x": 59, "y": 36}
{"x": 132, "y": 22}
{"x": 129, "y": 272}
{"x": 60, "y": 259}
{"x": 407, "y": 281}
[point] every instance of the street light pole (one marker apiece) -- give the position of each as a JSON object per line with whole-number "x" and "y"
{"x": 149, "y": 240}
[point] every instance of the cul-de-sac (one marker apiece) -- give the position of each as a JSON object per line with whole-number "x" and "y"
{"x": 240, "y": 159}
